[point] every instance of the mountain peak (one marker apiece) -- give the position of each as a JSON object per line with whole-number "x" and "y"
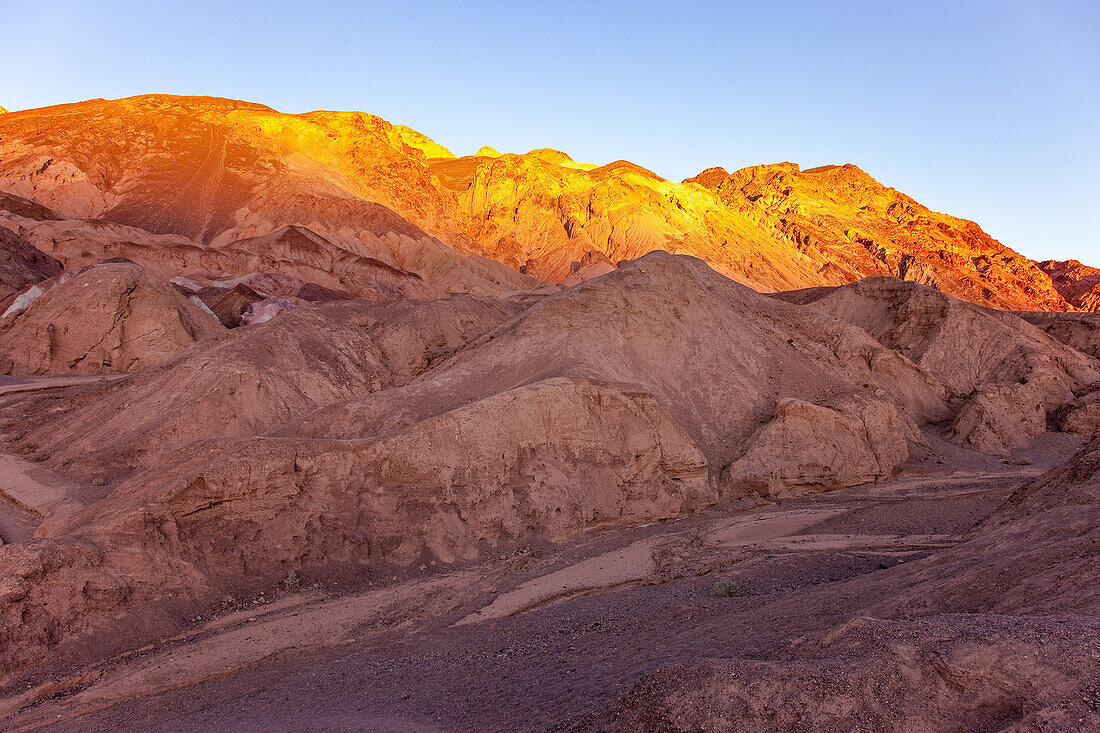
{"x": 422, "y": 142}
{"x": 550, "y": 155}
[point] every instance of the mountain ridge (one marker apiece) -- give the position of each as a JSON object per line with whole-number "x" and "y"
{"x": 215, "y": 170}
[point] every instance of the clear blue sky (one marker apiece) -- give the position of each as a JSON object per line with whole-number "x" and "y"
{"x": 985, "y": 110}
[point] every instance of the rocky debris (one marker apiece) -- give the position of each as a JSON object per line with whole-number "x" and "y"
{"x": 999, "y": 631}
{"x": 21, "y": 265}
{"x": 1006, "y": 375}
{"x": 114, "y": 317}
{"x": 933, "y": 674}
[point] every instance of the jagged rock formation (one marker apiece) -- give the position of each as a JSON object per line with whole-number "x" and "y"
{"x": 115, "y": 317}
{"x": 545, "y": 218}
{"x": 1079, "y": 284}
{"x": 1008, "y": 375}
{"x": 21, "y": 265}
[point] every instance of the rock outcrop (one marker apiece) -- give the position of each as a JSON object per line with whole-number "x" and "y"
{"x": 115, "y": 317}
{"x": 806, "y": 447}
{"x": 21, "y": 265}
{"x": 362, "y": 436}
{"x": 1079, "y": 284}
{"x": 1079, "y": 330}
{"x": 1006, "y": 374}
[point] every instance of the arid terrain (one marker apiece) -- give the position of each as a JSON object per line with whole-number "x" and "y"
{"x": 307, "y": 423}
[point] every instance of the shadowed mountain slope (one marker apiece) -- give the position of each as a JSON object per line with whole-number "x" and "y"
{"x": 1079, "y": 284}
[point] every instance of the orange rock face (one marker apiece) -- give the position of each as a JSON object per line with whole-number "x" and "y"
{"x": 209, "y": 172}
{"x": 853, "y": 226}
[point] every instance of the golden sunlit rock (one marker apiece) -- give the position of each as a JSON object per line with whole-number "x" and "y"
{"x": 214, "y": 171}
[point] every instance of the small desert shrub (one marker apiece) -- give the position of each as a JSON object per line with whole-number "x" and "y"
{"x": 292, "y": 583}
{"x": 726, "y": 589}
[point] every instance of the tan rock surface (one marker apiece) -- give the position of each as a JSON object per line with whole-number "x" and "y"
{"x": 612, "y": 403}
{"x": 254, "y": 379}
{"x": 1079, "y": 330}
{"x": 806, "y": 447}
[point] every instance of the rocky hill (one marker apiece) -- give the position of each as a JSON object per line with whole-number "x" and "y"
{"x": 206, "y": 172}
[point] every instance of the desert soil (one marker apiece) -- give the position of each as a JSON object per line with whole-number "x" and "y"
{"x": 539, "y": 638}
